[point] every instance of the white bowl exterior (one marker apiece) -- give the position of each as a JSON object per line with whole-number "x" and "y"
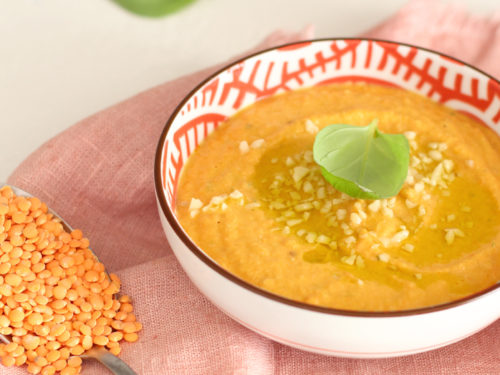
{"x": 438, "y": 77}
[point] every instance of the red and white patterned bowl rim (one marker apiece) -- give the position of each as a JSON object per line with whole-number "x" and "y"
{"x": 305, "y": 64}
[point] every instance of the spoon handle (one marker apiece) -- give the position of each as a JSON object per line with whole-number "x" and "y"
{"x": 112, "y": 362}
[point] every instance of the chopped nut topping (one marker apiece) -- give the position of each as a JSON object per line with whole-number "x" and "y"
{"x": 311, "y": 237}
{"x": 322, "y": 239}
{"x": 355, "y": 218}
{"x": 321, "y": 193}
{"x": 410, "y": 204}
{"x": 303, "y": 207}
{"x": 307, "y": 187}
{"x": 244, "y": 148}
{"x": 310, "y": 127}
{"x": 347, "y": 230}
{"x": 384, "y": 257}
{"x": 408, "y": 247}
{"x": 308, "y": 156}
{"x": 350, "y": 240}
{"x": 326, "y": 207}
{"x": 437, "y": 174}
{"x": 448, "y": 165}
{"x": 253, "y": 205}
{"x": 387, "y": 212}
{"x": 450, "y": 235}
{"x": 349, "y": 260}
{"x": 236, "y": 194}
{"x": 293, "y": 222}
{"x": 257, "y": 143}
{"x": 194, "y": 207}
{"x": 436, "y": 155}
{"x": 419, "y": 187}
{"x": 411, "y": 135}
{"x": 299, "y": 173}
{"x": 341, "y": 214}
{"x": 195, "y": 204}
{"x": 401, "y": 236}
{"x": 374, "y": 206}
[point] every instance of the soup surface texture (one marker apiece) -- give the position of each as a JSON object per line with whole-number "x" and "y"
{"x": 252, "y": 197}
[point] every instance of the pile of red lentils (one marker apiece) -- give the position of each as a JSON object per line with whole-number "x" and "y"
{"x": 57, "y": 301}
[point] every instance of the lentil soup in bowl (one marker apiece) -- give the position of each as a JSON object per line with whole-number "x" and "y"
{"x": 313, "y": 260}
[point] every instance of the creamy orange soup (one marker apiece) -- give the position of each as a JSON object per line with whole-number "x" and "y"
{"x": 253, "y": 199}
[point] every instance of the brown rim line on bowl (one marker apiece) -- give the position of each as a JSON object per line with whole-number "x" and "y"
{"x": 364, "y": 55}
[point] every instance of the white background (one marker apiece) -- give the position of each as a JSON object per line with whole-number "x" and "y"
{"x": 63, "y": 60}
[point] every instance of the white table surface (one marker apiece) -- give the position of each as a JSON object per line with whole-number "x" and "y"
{"x": 62, "y": 60}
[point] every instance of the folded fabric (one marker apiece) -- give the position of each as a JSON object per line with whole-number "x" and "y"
{"x": 98, "y": 175}
{"x": 447, "y": 28}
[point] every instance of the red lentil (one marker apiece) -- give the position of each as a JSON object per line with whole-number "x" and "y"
{"x": 56, "y": 299}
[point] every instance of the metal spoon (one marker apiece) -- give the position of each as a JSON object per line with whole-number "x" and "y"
{"x": 112, "y": 362}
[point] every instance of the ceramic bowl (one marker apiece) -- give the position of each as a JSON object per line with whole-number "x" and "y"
{"x": 323, "y": 330}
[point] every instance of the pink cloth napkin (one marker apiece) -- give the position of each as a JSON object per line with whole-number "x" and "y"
{"x": 98, "y": 174}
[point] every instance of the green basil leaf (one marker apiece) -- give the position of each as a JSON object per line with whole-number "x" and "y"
{"x": 361, "y": 161}
{"x": 153, "y": 8}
